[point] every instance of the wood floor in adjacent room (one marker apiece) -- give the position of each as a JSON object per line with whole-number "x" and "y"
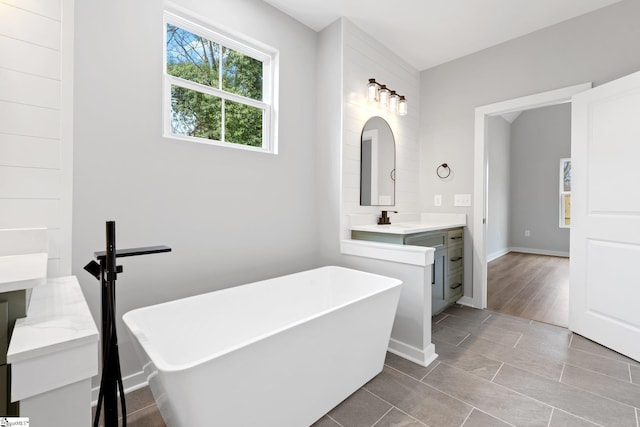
{"x": 530, "y": 286}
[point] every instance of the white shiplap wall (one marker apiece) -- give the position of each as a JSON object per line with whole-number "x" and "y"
{"x": 364, "y": 58}
{"x": 36, "y": 54}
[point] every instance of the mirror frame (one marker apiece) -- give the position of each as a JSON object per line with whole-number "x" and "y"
{"x": 377, "y": 123}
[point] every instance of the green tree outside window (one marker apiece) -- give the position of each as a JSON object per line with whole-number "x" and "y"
{"x": 212, "y": 115}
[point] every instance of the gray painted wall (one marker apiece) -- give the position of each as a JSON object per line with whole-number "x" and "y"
{"x": 499, "y": 143}
{"x": 539, "y": 139}
{"x": 231, "y": 216}
{"x": 599, "y": 47}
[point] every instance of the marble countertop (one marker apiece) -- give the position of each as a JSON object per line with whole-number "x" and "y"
{"x": 427, "y": 222}
{"x": 58, "y": 318}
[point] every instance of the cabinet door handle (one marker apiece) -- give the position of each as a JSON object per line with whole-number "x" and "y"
{"x": 456, "y": 286}
{"x": 458, "y": 258}
{"x": 456, "y": 238}
{"x": 433, "y": 273}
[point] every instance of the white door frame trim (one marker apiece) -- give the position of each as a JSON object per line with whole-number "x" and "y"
{"x": 558, "y": 96}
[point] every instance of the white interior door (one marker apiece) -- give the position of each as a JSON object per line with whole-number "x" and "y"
{"x": 605, "y": 215}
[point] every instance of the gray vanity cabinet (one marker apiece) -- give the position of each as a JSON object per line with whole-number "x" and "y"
{"x": 447, "y": 274}
{"x": 455, "y": 265}
{"x": 439, "y": 281}
{"x": 447, "y": 271}
{"x": 13, "y": 305}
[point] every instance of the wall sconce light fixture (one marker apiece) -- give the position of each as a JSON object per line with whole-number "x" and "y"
{"x": 386, "y": 97}
{"x": 372, "y": 90}
{"x": 402, "y": 106}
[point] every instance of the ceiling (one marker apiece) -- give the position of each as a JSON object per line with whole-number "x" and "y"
{"x": 427, "y": 33}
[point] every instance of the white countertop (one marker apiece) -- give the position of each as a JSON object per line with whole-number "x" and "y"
{"x": 22, "y": 271}
{"x": 58, "y": 318}
{"x": 427, "y": 222}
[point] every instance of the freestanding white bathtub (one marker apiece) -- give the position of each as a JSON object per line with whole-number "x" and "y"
{"x": 279, "y": 352}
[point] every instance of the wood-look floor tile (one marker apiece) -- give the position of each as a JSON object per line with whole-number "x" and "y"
{"x": 581, "y": 343}
{"x": 491, "y": 398}
{"x": 438, "y": 317}
{"x": 549, "y": 335}
{"x": 570, "y": 399}
{"x": 467, "y": 313}
{"x": 417, "y": 399}
{"x": 634, "y": 372}
{"x": 467, "y": 360}
{"x": 138, "y": 399}
{"x": 563, "y": 419}
{"x": 516, "y": 324}
{"x": 325, "y": 422}
{"x": 576, "y": 357}
{"x": 406, "y": 366}
{"x": 549, "y": 327}
{"x": 146, "y": 417}
{"x": 530, "y": 361}
{"x": 555, "y": 336}
{"x": 480, "y": 419}
{"x": 449, "y": 335}
{"x": 602, "y": 385}
{"x": 488, "y": 332}
{"x": 361, "y": 409}
{"x": 397, "y": 418}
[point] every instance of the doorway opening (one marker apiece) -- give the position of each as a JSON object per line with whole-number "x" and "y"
{"x": 483, "y": 215}
{"x": 527, "y": 227}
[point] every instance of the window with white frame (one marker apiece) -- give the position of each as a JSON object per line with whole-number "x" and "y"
{"x": 565, "y": 193}
{"x": 217, "y": 89}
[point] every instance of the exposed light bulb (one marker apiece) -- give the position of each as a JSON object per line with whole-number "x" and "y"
{"x": 384, "y": 95}
{"x": 394, "y": 99}
{"x": 372, "y": 90}
{"x": 402, "y": 106}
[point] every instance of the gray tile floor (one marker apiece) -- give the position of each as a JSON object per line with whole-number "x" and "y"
{"x": 492, "y": 370}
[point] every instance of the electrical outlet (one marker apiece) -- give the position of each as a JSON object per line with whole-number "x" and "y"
{"x": 527, "y": 233}
{"x": 462, "y": 200}
{"x": 437, "y": 200}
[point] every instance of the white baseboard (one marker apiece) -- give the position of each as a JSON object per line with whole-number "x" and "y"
{"x": 466, "y": 301}
{"x": 498, "y": 254}
{"x": 540, "y": 252}
{"x": 415, "y": 355}
{"x": 130, "y": 383}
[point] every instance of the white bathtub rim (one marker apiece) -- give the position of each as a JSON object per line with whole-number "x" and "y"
{"x": 159, "y": 362}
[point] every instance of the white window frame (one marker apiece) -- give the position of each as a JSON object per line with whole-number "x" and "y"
{"x": 563, "y": 193}
{"x": 269, "y": 58}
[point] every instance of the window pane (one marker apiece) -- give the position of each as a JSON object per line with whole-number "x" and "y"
{"x": 566, "y": 209}
{"x": 566, "y": 174}
{"x": 241, "y": 74}
{"x": 192, "y": 57}
{"x": 195, "y": 113}
{"x": 243, "y": 124}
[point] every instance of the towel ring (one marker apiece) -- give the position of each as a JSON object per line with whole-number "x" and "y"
{"x": 446, "y": 171}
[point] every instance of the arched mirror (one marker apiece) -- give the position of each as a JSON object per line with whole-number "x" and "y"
{"x": 377, "y": 164}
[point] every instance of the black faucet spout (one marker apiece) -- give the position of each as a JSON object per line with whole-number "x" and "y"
{"x": 384, "y": 219}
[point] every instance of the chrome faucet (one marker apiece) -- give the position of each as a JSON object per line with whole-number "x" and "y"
{"x": 384, "y": 219}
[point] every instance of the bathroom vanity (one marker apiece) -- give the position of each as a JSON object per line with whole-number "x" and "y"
{"x": 416, "y": 249}
{"x": 22, "y": 267}
{"x": 446, "y": 237}
{"x": 48, "y": 339}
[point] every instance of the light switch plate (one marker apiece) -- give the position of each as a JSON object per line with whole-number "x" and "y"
{"x": 462, "y": 200}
